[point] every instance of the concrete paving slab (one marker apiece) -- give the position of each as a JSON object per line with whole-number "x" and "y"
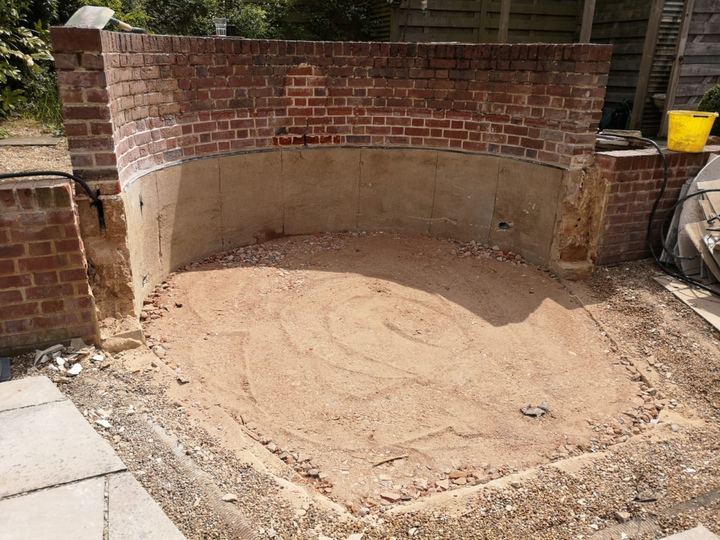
{"x": 28, "y": 392}
{"x": 133, "y": 513}
{"x": 74, "y": 511}
{"x": 50, "y": 444}
{"x": 29, "y": 141}
{"x": 698, "y": 533}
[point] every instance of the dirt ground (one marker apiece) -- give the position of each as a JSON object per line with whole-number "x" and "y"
{"x": 351, "y": 350}
{"x": 189, "y": 450}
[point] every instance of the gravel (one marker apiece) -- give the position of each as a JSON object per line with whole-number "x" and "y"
{"x": 671, "y": 465}
{"x": 661, "y": 466}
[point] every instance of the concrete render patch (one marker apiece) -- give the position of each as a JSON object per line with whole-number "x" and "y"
{"x": 321, "y": 190}
{"x": 190, "y": 212}
{"x": 28, "y": 392}
{"x": 252, "y": 193}
{"x": 397, "y": 190}
{"x": 70, "y": 512}
{"x": 464, "y": 196}
{"x": 50, "y": 444}
{"x": 133, "y": 513}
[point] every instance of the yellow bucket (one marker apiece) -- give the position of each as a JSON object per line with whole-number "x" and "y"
{"x": 688, "y": 131}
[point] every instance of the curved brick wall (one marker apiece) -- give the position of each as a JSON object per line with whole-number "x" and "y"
{"x": 140, "y": 110}
{"x": 134, "y": 102}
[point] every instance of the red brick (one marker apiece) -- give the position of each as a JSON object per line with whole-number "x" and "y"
{"x": 42, "y": 263}
{"x": 15, "y": 327}
{"x": 10, "y": 297}
{"x": 12, "y": 282}
{"x": 7, "y": 267}
{"x": 48, "y": 291}
{"x": 53, "y": 306}
{"x": 20, "y": 310}
{"x": 78, "y": 274}
{"x": 45, "y": 278}
{"x": 14, "y": 250}
{"x": 55, "y": 320}
{"x": 40, "y": 248}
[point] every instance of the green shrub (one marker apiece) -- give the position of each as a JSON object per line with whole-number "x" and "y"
{"x": 711, "y": 103}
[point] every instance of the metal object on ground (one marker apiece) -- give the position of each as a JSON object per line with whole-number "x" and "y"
{"x": 5, "y": 372}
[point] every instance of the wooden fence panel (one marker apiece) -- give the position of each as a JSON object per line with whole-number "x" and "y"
{"x": 478, "y": 21}
{"x": 699, "y": 71}
{"x": 623, "y": 23}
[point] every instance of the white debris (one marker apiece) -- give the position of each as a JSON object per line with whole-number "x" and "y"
{"x": 75, "y": 370}
{"x": 103, "y": 423}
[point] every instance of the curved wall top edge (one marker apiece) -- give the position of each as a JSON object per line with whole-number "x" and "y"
{"x": 134, "y": 102}
{"x": 129, "y": 181}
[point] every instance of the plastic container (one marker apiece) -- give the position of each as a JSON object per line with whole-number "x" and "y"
{"x": 688, "y": 131}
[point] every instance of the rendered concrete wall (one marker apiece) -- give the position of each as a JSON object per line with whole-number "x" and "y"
{"x": 188, "y": 211}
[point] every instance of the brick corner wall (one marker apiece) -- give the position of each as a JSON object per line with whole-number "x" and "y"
{"x": 634, "y": 179}
{"x": 44, "y": 293}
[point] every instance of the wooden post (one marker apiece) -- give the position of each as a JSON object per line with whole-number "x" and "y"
{"x": 648, "y": 56}
{"x": 587, "y": 21}
{"x": 677, "y": 64}
{"x": 504, "y": 21}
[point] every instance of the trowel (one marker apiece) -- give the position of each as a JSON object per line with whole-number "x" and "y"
{"x": 97, "y": 17}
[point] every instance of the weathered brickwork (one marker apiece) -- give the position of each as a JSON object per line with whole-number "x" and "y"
{"x": 634, "y": 180}
{"x": 44, "y": 292}
{"x": 135, "y": 102}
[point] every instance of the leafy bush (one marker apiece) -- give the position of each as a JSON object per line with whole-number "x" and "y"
{"x": 711, "y": 103}
{"x": 24, "y": 54}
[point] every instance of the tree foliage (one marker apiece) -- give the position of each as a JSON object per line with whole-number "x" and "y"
{"x": 24, "y": 54}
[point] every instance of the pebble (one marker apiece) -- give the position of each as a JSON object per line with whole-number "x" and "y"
{"x": 230, "y": 497}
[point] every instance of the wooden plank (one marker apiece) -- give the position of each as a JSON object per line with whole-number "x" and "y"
{"x": 677, "y": 63}
{"x": 504, "y": 21}
{"x": 700, "y": 301}
{"x": 690, "y": 90}
{"x": 701, "y": 70}
{"x": 515, "y": 24}
{"x": 707, "y": 6}
{"x": 702, "y": 49}
{"x": 536, "y": 9}
{"x": 587, "y": 21}
{"x": 648, "y": 55}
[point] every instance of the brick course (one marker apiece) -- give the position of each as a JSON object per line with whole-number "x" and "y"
{"x": 634, "y": 180}
{"x": 44, "y": 293}
{"x": 135, "y": 102}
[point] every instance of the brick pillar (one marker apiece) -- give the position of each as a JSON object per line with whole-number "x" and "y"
{"x": 44, "y": 292}
{"x": 84, "y": 91}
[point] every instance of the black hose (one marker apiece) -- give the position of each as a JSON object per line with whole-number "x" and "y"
{"x": 97, "y": 203}
{"x": 665, "y": 268}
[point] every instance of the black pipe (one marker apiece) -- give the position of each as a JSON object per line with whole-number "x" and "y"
{"x": 94, "y": 196}
{"x": 678, "y": 275}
